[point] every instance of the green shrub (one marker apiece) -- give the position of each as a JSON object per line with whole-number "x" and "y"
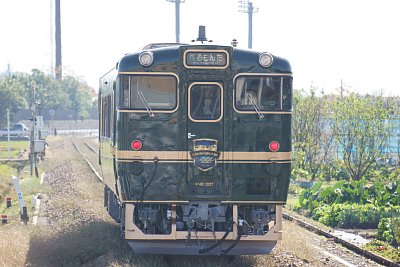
{"x": 396, "y": 230}
{"x": 384, "y": 249}
{"x": 354, "y": 215}
{"x": 327, "y": 215}
{"x": 385, "y": 230}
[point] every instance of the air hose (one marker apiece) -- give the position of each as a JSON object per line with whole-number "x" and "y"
{"x": 239, "y": 229}
{"x": 204, "y": 250}
{"x": 144, "y": 187}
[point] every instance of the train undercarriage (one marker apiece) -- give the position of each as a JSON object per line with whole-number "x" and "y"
{"x": 201, "y": 228}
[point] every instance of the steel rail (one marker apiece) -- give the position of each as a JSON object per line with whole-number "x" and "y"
{"x": 358, "y": 250}
{"x": 87, "y": 161}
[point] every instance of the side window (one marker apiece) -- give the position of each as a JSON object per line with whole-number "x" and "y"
{"x": 104, "y": 114}
{"x": 106, "y": 119}
{"x": 247, "y": 92}
{"x": 205, "y": 102}
{"x": 287, "y": 93}
{"x": 141, "y": 92}
{"x": 123, "y": 94}
{"x": 260, "y": 93}
{"x": 271, "y": 97}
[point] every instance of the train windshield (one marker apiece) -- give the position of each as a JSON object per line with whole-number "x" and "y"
{"x": 141, "y": 92}
{"x": 205, "y": 102}
{"x": 264, "y": 93}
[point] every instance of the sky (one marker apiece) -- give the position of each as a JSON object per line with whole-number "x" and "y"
{"x": 350, "y": 43}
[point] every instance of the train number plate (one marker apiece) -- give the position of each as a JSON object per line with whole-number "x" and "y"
{"x": 206, "y": 58}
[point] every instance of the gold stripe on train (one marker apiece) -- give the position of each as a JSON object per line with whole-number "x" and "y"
{"x": 219, "y": 162}
{"x": 246, "y": 202}
{"x": 185, "y": 155}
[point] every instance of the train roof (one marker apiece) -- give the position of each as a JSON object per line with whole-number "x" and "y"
{"x": 160, "y": 45}
{"x": 167, "y": 53}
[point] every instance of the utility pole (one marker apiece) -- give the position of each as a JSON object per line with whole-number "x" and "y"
{"x": 247, "y": 7}
{"x": 32, "y": 158}
{"x": 177, "y": 15}
{"x": 58, "y": 66}
{"x": 52, "y": 39}
{"x": 341, "y": 88}
{"x": 8, "y": 133}
{"x": 33, "y": 136}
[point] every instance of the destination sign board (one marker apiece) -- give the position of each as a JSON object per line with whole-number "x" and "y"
{"x": 206, "y": 58}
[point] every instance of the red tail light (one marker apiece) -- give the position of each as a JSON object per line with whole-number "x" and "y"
{"x": 274, "y": 146}
{"x": 136, "y": 145}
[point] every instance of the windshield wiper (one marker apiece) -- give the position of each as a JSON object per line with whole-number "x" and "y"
{"x": 254, "y": 104}
{"x": 146, "y": 104}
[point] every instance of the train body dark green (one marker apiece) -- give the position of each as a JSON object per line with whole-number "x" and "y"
{"x": 197, "y": 138}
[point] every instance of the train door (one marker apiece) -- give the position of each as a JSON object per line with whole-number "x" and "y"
{"x": 205, "y": 139}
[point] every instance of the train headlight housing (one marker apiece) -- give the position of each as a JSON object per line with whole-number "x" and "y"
{"x": 136, "y": 145}
{"x": 265, "y": 59}
{"x": 273, "y": 146}
{"x": 146, "y": 58}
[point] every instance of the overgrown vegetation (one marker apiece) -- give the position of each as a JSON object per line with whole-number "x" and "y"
{"x": 343, "y": 144}
{"x": 341, "y": 137}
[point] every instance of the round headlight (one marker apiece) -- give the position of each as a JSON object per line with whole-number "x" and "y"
{"x": 146, "y": 58}
{"x": 265, "y": 59}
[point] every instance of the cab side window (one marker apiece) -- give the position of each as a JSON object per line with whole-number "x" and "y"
{"x": 263, "y": 93}
{"x": 140, "y": 92}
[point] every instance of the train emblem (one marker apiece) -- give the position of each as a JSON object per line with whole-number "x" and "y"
{"x": 205, "y": 153}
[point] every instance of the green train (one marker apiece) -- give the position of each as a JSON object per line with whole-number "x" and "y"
{"x": 195, "y": 148}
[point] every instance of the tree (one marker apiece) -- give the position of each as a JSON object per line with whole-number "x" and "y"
{"x": 362, "y": 130}
{"x": 311, "y": 132}
{"x": 16, "y": 92}
{"x": 80, "y": 96}
{"x": 49, "y": 91}
{"x": 12, "y": 97}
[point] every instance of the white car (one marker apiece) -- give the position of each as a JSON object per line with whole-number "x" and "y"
{"x": 16, "y": 129}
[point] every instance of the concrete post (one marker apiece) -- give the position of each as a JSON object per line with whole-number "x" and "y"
{"x": 24, "y": 213}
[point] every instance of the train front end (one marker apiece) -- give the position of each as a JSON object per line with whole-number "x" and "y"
{"x": 202, "y": 150}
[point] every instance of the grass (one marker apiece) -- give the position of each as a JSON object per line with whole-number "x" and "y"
{"x": 30, "y": 186}
{"x": 15, "y": 169}
{"x": 383, "y": 249}
{"x": 15, "y": 241}
{"x": 293, "y": 196}
{"x": 9, "y": 169}
{"x": 6, "y": 173}
{"x": 17, "y": 149}
{"x": 14, "y": 244}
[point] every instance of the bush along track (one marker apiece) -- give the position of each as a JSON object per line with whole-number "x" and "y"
{"x": 358, "y": 204}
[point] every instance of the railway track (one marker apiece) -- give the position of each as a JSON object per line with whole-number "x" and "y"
{"x": 87, "y": 148}
{"x": 376, "y": 258}
{"x": 88, "y": 152}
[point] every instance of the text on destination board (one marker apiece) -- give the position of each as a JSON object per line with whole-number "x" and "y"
{"x": 206, "y": 59}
